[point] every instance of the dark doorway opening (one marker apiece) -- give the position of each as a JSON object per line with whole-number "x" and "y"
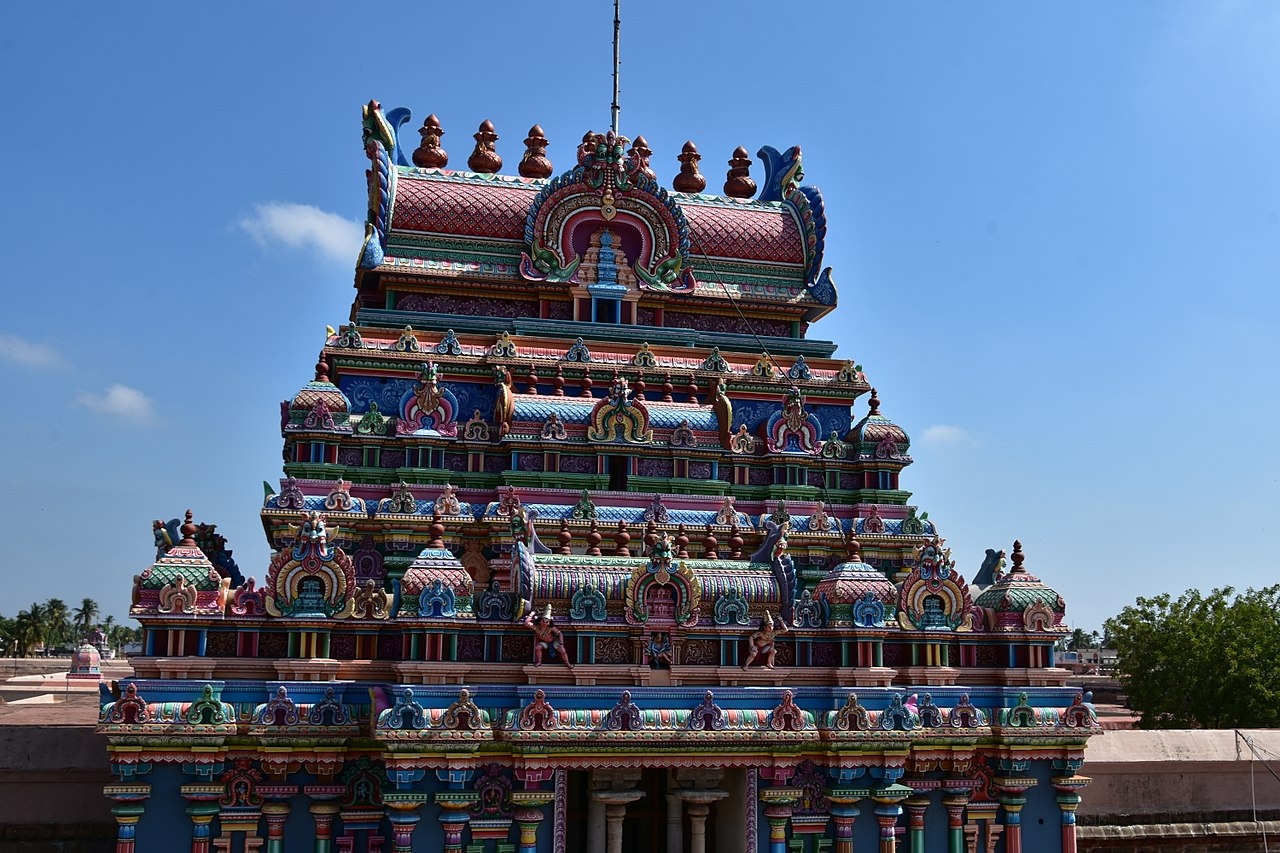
{"x": 619, "y": 469}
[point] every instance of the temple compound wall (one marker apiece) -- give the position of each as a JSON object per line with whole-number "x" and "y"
{"x": 583, "y": 543}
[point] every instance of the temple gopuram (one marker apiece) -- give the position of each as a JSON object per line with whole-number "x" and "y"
{"x": 585, "y": 544}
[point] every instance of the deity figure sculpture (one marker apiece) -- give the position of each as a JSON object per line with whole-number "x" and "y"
{"x": 658, "y": 652}
{"x": 546, "y": 637}
{"x": 763, "y": 642}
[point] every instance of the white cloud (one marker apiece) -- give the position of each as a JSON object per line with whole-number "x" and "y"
{"x": 946, "y": 435}
{"x": 29, "y": 353}
{"x": 302, "y": 226}
{"x": 122, "y": 402}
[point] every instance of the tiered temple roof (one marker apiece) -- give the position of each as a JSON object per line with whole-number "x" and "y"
{"x": 574, "y": 498}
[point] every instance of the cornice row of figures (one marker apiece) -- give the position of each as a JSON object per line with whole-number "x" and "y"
{"x": 398, "y": 714}
{"x": 622, "y": 416}
{"x": 444, "y": 501}
{"x": 506, "y": 352}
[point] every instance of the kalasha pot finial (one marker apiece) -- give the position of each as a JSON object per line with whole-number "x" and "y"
{"x": 534, "y": 163}
{"x": 738, "y": 183}
{"x": 485, "y": 158}
{"x": 429, "y": 155}
{"x": 689, "y": 180}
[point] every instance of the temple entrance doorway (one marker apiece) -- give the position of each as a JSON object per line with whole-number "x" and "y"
{"x": 645, "y": 828}
{"x": 658, "y": 811}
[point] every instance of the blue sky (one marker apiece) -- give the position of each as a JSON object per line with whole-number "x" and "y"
{"x": 1055, "y": 229}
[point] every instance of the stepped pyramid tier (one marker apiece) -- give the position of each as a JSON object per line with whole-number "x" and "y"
{"x": 579, "y": 535}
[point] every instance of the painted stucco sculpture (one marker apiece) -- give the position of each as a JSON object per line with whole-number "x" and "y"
{"x": 588, "y": 396}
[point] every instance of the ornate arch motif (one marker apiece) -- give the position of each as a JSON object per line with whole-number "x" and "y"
{"x": 793, "y": 430}
{"x": 313, "y": 578}
{"x": 852, "y": 716}
{"x": 624, "y": 716}
{"x": 428, "y": 405}
{"x": 607, "y": 187}
{"x": 708, "y": 716}
{"x": 619, "y": 418}
{"x": 538, "y": 715}
{"x": 934, "y": 596}
{"x": 731, "y": 608}
{"x": 663, "y": 572}
{"x": 280, "y": 711}
{"x": 463, "y": 714}
{"x": 587, "y": 604}
{"x": 406, "y": 713}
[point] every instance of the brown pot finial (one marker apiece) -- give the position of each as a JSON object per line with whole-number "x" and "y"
{"x": 689, "y": 180}
{"x": 484, "y": 158}
{"x": 738, "y": 183}
{"x": 429, "y": 155}
{"x": 534, "y": 163}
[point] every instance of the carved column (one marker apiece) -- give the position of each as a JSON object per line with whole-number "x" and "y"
{"x": 916, "y": 807}
{"x": 323, "y": 809}
{"x": 454, "y": 817}
{"x": 844, "y": 810}
{"x": 777, "y": 810}
{"x": 276, "y": 810}
{"x": 528, "y": 815}
{"x": 131, "y": 802}
{"x": 888, "y": 808}
{"x": 276, "y": 814}
{"x": 1069, "y": 788}
{"x": 323, "y": 814}
{"x": 955, "y": 802}
{"x": 1012, "y": 793}
{"x": 203, "y": 808}
{"x": 699, "y": 806}
{"x": 402, "y": 811}
{"x": 675, "y": 824}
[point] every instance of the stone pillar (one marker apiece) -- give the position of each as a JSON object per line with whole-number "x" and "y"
{"x": 528, "y": 815}
{"x": 699, "y": 806}
{"x": 615, "y": 811}
{"x": 955, "y": 802}
{"x": 844, "y": 810}
{"x": 402, "y": 812}
{"x": 1068, "y": 788}
{"x": 202, "y": 810}
{"x": 595, "y": 825}
{"x": 131, "y": 802}
{"x": 916, "y": 807}
{"x": 675, "y": 824}
{"x": 778, "y": 802}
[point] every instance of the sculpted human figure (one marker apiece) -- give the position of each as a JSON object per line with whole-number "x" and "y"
{"x": 763, "y": 641}
{"x": 546, "y": 637}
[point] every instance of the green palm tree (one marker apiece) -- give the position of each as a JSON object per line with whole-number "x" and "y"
{"x": 86, "y": 615}
{"x": 32, "y": 628}
{"x": 57, "y": 622}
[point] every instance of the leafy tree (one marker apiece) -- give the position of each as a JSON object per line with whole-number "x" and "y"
{"x": 30, "y": 629}
{"x": 1201, "y": 661}
{"x": 57, "y": 629}
{"x": 86, "y": 615}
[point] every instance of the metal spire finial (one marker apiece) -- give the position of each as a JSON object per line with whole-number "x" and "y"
{"x": 617, "y": 61}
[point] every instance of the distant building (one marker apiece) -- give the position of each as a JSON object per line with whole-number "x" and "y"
{"x": 739, "y": 634}
{"x": 1087, "y": 661}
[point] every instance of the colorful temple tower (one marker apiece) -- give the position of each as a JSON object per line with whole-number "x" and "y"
{"x": 583, "y": 544}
